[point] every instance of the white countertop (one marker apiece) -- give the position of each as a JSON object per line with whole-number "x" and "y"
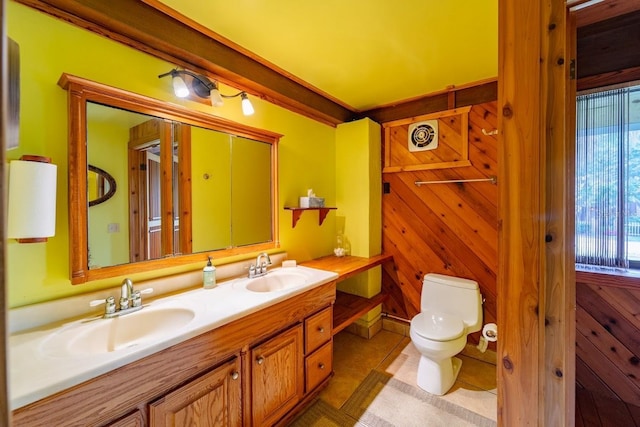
{"x": 40, "y": 364}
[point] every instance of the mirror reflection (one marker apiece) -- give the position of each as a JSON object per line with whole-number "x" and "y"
{"x": 101, "y": 186}
{"x": 182, "y": 189}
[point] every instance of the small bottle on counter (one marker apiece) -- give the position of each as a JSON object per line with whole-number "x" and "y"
{"x": 209, "y": 275}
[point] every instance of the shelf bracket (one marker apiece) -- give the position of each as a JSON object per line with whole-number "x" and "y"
{"x": 297, "y": 212}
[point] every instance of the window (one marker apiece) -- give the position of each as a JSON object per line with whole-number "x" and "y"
{"x": 608, "y": 178}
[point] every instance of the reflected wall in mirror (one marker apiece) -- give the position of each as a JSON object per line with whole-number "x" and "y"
{"x": 188, "y": 183}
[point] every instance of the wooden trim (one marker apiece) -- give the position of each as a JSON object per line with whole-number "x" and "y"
{"x": 557, "y": 376}
{"x": 536, "y": 351}
{"x": 82, "y": 90}
{"x": 431, "y": 116}
{"x": 465, "y": 95}
{"x": 443, "y": 165}
{"x": 605, "y": 10}
{"x": 629, "y": 279}
{"x": 521, "y": 174}
{"x": 184, "y": 193}
{"x": 33, "y": 158}
{"x": 236, "y": 47}
{"x": 167, "y": 38}
{"x": 6, "y": 122}
{"x": 166, "y": 188}
{"x": 121, "y": 98}
{"x": 463, "y": 112}
{"x": 609, "y": 45}
{"x": 609, "y": 79}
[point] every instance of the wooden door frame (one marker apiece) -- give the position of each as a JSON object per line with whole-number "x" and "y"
{"x": 5, "y": 414}
{"x": 536, "y": 276}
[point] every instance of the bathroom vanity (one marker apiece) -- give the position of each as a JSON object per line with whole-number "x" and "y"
{"x": 257, "y": 369}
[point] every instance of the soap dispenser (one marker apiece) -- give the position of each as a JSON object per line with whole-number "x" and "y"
{"x": 209, "y": 275}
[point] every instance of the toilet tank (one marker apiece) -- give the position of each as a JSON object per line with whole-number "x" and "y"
{"x": 454, "y": 295}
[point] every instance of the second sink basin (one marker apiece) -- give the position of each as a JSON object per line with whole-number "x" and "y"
{"x": 108, "y": 335}
{"x": 277, "y": 280}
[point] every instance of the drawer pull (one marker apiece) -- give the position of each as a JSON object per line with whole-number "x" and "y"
{"x": 235, "y": 375}
{"x": 321, "y": 330}
{"x": 321, "y": 365}
{"x": 260, "y": 360}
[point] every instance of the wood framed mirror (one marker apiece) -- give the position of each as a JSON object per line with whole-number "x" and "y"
{"x": 190, "y": 185}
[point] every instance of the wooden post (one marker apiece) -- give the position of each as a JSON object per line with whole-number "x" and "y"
{"x": 536, "y": 350}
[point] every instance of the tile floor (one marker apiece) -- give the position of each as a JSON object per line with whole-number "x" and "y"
{"x": 392, "y": 352}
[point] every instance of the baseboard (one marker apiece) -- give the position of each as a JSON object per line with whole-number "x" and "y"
{"x": 365, "y": 331}
{"x": 399, "y": 326}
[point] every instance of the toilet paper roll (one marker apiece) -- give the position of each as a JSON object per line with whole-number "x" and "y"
{"x": 490, "y": 332}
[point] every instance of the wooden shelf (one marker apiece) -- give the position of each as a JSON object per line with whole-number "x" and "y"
{"x": 296, "y": 212}
{"x": 348, "y": 308}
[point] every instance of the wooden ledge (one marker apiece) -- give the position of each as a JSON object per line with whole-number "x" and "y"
{"x": 347, "y": 266}
{"x": 348, "y": 307}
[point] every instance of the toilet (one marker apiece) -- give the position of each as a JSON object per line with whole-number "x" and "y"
{"x": 451, "y": 308}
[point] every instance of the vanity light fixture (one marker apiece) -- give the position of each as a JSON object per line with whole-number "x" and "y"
{"x": 204, "y": 88}
{"x": 32, "y": 199}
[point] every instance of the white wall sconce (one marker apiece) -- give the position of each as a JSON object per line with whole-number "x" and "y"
{"x": 32, "y": 199}
{"x": 202, "y": 87}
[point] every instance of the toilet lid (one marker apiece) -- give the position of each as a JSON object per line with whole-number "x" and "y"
{"x": 437, "y": 326}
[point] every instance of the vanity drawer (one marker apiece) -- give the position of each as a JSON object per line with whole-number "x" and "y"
{"x": 317, "y": 330}
{"x": 319, "y": 366}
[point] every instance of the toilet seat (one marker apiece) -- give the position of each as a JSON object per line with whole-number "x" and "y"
{"x": 437, "y": 326}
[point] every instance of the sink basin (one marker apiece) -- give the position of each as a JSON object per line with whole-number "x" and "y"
{"x": 100, "y": 336}
{"x": 277, "y": 281}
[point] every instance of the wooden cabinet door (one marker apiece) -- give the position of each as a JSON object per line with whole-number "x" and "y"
{"x": 210, "y": 400}
{"x": 277, "y": 376}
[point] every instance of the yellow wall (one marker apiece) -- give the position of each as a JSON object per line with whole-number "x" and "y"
{"x": 359, "y": 195}
{"x": 49, "y": 47}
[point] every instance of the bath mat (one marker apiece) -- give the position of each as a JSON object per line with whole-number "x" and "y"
{"x": 382, "y": 401}
{"x": 321, "y": 414}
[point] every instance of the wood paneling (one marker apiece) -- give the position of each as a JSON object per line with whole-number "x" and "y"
{"x": 608, "y": 341}
{"x": 465, "y": 95}
{"x": 610, "y": 45}
{"x": 443, "y": 228}
{"x": 593, "y": 410}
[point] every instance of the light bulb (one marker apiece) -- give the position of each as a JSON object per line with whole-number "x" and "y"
{"x": 180, "y": 87}
{"x": 216, "y": 99}
{"x": 247, "y": 108}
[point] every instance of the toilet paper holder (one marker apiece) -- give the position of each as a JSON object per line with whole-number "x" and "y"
{"x": 489, "y": 334}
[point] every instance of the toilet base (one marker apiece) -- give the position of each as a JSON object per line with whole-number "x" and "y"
{"x": 438, "y": 377}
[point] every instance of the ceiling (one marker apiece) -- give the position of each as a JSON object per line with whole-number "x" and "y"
{"x": 362, "y": 53}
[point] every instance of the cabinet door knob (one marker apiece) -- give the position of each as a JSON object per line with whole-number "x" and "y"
{"x": 321, "y": 365}
{"x": 321, "y": 329}
{"x": 235, "y": 375}
{"x": 260, "y": 360}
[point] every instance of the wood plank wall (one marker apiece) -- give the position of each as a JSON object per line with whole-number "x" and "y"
{"x": 444, "y": 228}
{"x": 608, "y": 341}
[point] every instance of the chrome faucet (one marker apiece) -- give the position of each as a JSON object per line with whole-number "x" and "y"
{"x": 126, "y": 293}
{"x": 260, "y": 267}
{"x": 130, "y": 301}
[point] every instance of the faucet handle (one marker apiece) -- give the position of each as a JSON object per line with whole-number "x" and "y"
{"x": 110, "y": 304}
{"x": 136, "y": 298}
